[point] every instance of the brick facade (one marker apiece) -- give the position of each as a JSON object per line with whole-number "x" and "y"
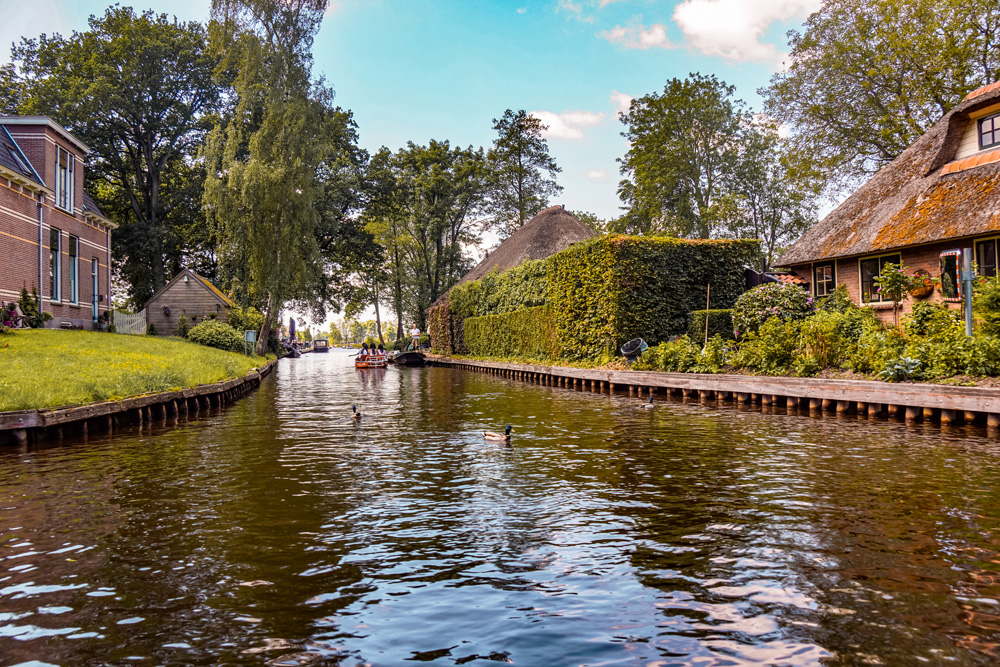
{"x": 29, "y": 211}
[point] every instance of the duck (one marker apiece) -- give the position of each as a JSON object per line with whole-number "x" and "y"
{"x": 647, "y": 406}
{"x": 357, "y": 415}
{"x": 505, "y": 436}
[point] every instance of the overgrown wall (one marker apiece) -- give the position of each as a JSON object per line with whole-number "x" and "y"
{"x": 600, "y": 293}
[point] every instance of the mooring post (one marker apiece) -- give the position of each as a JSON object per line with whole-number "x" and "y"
{"x": 970, "y": 417}
{"x": 993, "y": 420}
{"x": 948, "y": 417}
{"x": 913, "y": 413}
{"x": 929, "y": 414}
{"x": 20, "y": 436}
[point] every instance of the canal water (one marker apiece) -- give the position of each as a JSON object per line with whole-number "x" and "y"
{"x": 277, "y": 531}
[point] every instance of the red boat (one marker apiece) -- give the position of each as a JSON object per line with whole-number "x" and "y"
{"x": 370, "y": 361}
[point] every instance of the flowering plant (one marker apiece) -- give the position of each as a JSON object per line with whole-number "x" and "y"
{"x": 783, "y": 301}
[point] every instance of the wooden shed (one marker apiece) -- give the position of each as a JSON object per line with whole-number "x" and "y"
{"x": 190, "y": 295}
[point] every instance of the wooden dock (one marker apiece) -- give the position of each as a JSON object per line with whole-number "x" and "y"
{"x": 26, "y": 426}
{"x": 941, "y": 403}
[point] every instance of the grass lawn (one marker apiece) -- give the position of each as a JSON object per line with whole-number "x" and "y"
{"x": 46, "y": 368}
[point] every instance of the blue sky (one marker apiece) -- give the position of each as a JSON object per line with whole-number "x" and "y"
{"x": 415, "y": 70}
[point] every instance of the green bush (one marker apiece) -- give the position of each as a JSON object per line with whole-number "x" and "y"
{"x": 31, "y": 308}
{"x": 720, "y": 322}
{"x": 838, "y": 302}
{"x": 182, "y": 326}
{"x": 151, "y": 329}
{"x": 771, "y": 350}
{"x": 986, "y": 305}
{"x": 528, "y": 333}
{"x": 214, "y": 333}
{"x": 785, "y": 302}
{"x": 245, "y": 319}
{"x": 928, "y": 319}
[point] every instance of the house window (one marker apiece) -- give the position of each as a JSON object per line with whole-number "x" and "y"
{"x": 986, "y": 258}
{"x": 74, "y": 270}
{"x": 949, "y": 275}
{"x": 824, "y": 279}
{"x": 989, "y": 131}
{"x": 64, "y": 179}
{"x": 94, "y": 286}
{"x": 870, "y": 268}
{"x": 55, "y": 264}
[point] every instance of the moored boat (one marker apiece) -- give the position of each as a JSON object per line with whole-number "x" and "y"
{"x": 321, "y": 345}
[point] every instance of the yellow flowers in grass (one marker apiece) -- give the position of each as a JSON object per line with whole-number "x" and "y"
{"x": 48, "y": 368}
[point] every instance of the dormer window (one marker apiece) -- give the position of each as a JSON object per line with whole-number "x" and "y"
{"x": 989, "y": 131}
{"x": 64, "y": 179}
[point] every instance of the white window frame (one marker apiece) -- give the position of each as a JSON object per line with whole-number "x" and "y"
{"x": 95, "y": 286}
{"x": 64, "y": 181}
{"x": 55, "y": 265}
{"x": 815, "y": 283}
{"x": 74, "y": 269}
{"x": 861, "y": 285}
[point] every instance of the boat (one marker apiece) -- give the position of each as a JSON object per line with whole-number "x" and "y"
{"x": 370, "y": 360}
{"x": 409, "y": 359}
{"x": 321, "y": 345}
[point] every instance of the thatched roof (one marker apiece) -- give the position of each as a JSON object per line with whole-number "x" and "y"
{"x": 549, "y": 232}
{"x": 922, "y": 196}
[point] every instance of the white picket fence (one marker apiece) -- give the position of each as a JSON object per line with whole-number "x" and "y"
{"x": 130, "y": 323}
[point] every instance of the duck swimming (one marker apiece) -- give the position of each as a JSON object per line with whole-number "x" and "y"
{"x": 357, "y": 415}
{"x": 505, "y": 437}
{"x": 647, "y": 406}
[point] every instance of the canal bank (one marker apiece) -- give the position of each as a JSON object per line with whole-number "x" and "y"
{"x": 24, "y": 426}
{"x": 947, "y": 404}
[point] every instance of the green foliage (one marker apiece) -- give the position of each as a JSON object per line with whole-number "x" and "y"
{"x": 528, "y": 333}
{"x": 182, "y": 327}
{"x": 518, "y": 158}
{"x": 524, "y": 286}
{"x": 900, "y": 370}
{"x": 929, "y": 319}
{"x": 894, "y": 283}
{"x": 245, "y": 319}
{"x": 216, "y": 334}
{"x": 683, "y": 355}
{"x": 784, "y": 301}
{"x": 31, "y": 309}
{"x": 838, "y": 302}
{"x": 770, "y": 350}
{"x": 613, "y": 288}
{"x": 370, "y": 341}
{"x": 151, "y": 329}
{"x": 865, "y": 64}
{"x": 986, "y": 305}
{"x": 720, "y": 323}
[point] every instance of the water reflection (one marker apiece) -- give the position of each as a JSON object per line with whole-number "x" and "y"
{"x": 281, "y": 532}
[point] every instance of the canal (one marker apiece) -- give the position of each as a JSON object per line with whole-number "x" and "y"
{"x": 277, "y": 531}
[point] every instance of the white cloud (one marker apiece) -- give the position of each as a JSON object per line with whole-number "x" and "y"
{"x": 568, "y": 125}
{"x": 733, "y": 29}
{"x": 332, "y": 7}
{"x": 597, "y": 174}
{"x": 575, "y": 8}
{"x": 522, "y": 10}
{"x": 605, "y": 3}
{"x": 620, "y": 100}
{"x": 638, "y": 36}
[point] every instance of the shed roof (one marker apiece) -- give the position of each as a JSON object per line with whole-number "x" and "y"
{"x": 922, "y": 196}
{"x": 551, "y": 231}
{"x": 215, "y": 291}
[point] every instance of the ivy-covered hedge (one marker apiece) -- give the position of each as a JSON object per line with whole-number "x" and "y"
{"x": 527, "y": 333}
{"x": 602, "y": 292}
{"x": 613, "y": 288}
{"x": 719, "y": 322}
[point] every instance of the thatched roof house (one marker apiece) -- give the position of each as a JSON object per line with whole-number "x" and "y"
{"x": 551, "y": 231}
{"x": 942, "y": 194}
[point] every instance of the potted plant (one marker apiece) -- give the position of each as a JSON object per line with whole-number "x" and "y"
{"x": 923, "y": 284}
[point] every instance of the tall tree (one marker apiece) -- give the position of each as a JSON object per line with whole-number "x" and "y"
{"x": 775, "y": 189}
{"x": 139, "y": 90}
{"x": 520, "y": 160}
{"x": 865, "y": 78}
{"x": 682, "y": 150}
{"x": 262, "y": 189}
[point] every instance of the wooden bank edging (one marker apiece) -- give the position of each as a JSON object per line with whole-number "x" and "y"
{"x": 912, "y": 402}
{"x": 24, "y": 425}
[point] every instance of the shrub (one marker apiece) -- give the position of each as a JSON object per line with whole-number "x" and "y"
{"x": 216, "y": 334}
{"x": 526, "y": 333}
{"x": 680, "y": 355}
{"x": 901, "y": 369}
{"x": 986, "y": 305}
{"x": 182, "y": 326}
{"x": 928, "y": 319}
{"x": 31, "y": 309}
{"x": 720, "y": 323}
{"x": 785, "y": 302}
{"x": 245, "y": 319}
{"x": 151, "y": 329}
{"x": 838, "y": 302}
{"x": 772, "y": 349}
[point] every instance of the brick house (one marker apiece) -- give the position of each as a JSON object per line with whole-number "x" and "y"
{"x": 940, "y": 197}
{"x": 52, "y": 235}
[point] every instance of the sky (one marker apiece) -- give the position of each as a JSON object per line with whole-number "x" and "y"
{"x": 416, "y": 70}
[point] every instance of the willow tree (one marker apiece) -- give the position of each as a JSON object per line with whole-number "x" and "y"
{"x": 261, "y": 188}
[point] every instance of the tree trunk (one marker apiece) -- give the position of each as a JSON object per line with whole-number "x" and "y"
{"x": 378, "y": 320}
{"x": 265, "y": 329}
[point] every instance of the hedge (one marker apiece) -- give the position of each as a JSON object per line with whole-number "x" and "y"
{"x": 719, "y": 322}
{"x": 614, "y": 288}
{"x": 529, "y": 333}
{"x": 603, "y": 292}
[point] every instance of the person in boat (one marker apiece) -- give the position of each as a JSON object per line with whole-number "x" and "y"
{"x": 364, "y": 348}
{"x": 381, "y": 350}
